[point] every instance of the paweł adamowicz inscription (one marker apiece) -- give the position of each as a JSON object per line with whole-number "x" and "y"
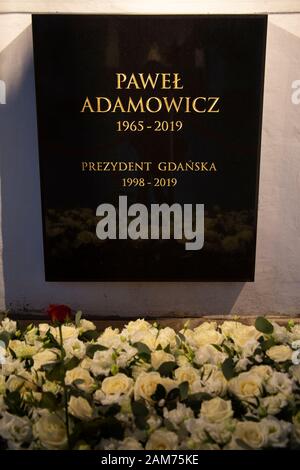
{"x": 149, "y": 139}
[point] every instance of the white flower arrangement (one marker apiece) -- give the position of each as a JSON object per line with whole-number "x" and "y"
{"x": 229, "y": 386}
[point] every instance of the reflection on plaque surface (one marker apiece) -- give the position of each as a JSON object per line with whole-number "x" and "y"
{"x": 149, "y": 140}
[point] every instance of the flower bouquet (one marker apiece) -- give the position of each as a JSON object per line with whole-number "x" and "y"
{"x": 65, "y": 385}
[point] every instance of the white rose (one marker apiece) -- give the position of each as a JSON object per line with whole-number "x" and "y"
{"x": 212, "y": 381}
{"x": 246, "y": 385}
{"x": 186, "y": 374}
{"x": 110, "y": 338}
{"x": 216, "y": 410}
{"x": 264, "y": 372}
{"x": 153, "y": 422}
{"x": 8, "y": 325}
{"x": 130, "y": 443}
{"x": 294, "y": 334}
{"x": 280, "y": 353}
{"x": 10, "y": 366}
{"x": 242, "y": 365}
{"x": 252, "y": 434}
{"x": 22, "y": 382}
{"x": 296, "y": 344}
{"x": 51, "y": 432}
{"x": 146, "y": 383}
{"x": 198, "y": 338}
{"x": 228, "y": 327}
{"x": 81, "y": 378}
{"x": 277, "y": 431}
{"x": 75, "y": 348}
{"x": 52, "y": 387}
{"x": 249, "y": 348}
{"x": 102, "y": 362}
{"x": 68, "y": 332}
{"x": 273, "y": 404}
{"x": 3, "y": 352}
{"x": 182, "y": 360}
{"x": 139, "y": 368}
{"x": 279, "y": 382}
{"x": 2, "y": 384}
{"x": 178, "y": 415}
{"x": 86, "y": 363}
{"x": 244, "y": 335}
{"x": 196, "y": 427}
{"x": 136, "y": 326}
{"x": 220, "y": 432}
{"x": 86, "y": 325}
{"x": 166, "y": 337}
{"x": 202, "y": 338}
{"x": 3, "y": 406}
{"x": 148, "y": 337}
{"x": 209, "y": 354}
{"x": 205, "y": 326}
{"x": 15, "y": 428}
{"x": 44, "y": 328}
{"x": 296, "y": 357}
{"x": 32, "y": 335}
{"x": 161, "y": 439}
{"x": 295, "y": 372}
{"x": 159, "y": 357}
{"x": 125, "y": 355}
{"x": 296, "y": 427}
{"x": 80, "y": 408}
{"x": 21, "y": 349}
{"x": 48, "y": 356}
{"x": 114, "y": 387}
{"x": 280, "y": 333}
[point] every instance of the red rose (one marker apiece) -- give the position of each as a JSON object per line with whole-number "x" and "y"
{"x": 59, "y": 313}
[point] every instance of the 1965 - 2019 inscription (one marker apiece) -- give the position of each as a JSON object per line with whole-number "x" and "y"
{"x": 149, "y": 140}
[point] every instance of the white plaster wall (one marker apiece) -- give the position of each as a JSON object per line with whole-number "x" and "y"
{"x": 277, "y": 284}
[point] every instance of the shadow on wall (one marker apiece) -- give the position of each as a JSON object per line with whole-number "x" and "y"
{"x": 24, "y": 284}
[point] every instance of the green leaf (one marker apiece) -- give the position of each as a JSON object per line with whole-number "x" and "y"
{"x": 267, "y": 344}
{"x": 107, "y": 428}
{"x": 142, "y": 348}
{"x": 109, "y": 410}
{"x": 181, "y": 337}
{"x": 167, "y": 368}
{"x": 78, "y": 318}
{"x": 89, "y": 335}
{"x": 173, "y": 394}
{"x": 5, "y": 337}
{"x": 92, "y": 348}
{"x": 160, "y": 393}
{"x": 140, "y": 412}
{"x": 228, "y": 368}
{"x": 143, "y": 351}
{"x": 13, "y": 354}
{"x": 50, "y": 341}
{"x": 194, "y": 400}
{"x": 112, "y": 428}
{"x": 14, "y": 403}
{"x": 72, "y": 363}
{"x": 263, "y": 325}
{"x": 55, "y": 372}
{"x": 48, "y": 401}
{"x": 183, "y": 390}
{"x": 217, "y": 347}
{"x": 139, "y": 408}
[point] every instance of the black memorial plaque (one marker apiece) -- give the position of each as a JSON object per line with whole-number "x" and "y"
{"x": 149, "y": 141}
